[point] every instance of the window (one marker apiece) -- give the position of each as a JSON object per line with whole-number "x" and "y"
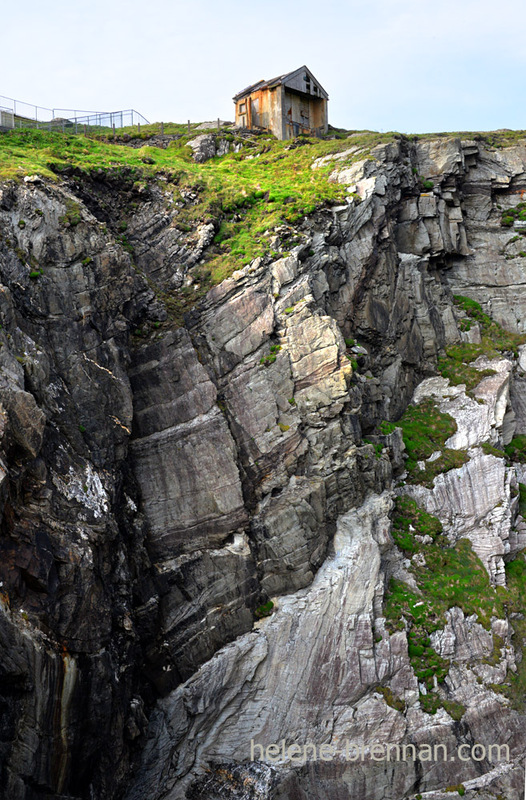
{"x": 242, "y": 108}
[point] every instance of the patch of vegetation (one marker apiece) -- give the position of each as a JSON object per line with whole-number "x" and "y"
{"x": 459, "y": 788}
{"x": 391, "y": 699}
{"x": 509, "y": 215}
{"x": 266, "y": 361}
{"x": 264, "y": 610}
{"x": 430, "y": 702}
{"x": 445, "y": 576}
{"x": 21, "y": 224}
{"x": 427, "y": 185}
{"x": 350, "y": 342}
{"x": 449, "y": 459}
{"x": 455, "y": 710}
{"x": 378, "y": 447}
{"x": 410, "y": 520}
{"x": 490, "y": 450}
{"x": 522, "y": 500}
{"x": 457, "y": 363}
{"x": 283, "y": 428}
{"x": 494, "y": 338}
{"x": 425, "y": 430}
{"x": 516, "y": 449}
{"x": 72, "y": 216}
{"x": 244, "y": 197}
{"x": 513, "y": 595}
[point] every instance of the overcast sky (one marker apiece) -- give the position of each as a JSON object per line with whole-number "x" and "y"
{"x": 411, "y": 66}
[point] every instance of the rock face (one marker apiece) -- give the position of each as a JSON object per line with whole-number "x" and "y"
{"x": 475, "y": 501}
{"x": 160, "y": 486}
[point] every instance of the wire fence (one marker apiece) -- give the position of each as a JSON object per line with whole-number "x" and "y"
{"x": 15, "y": 114}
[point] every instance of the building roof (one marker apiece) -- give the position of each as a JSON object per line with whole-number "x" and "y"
{"x": 278, "y": 81}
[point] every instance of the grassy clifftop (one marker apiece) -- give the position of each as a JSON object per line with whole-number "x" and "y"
{"x": 244, "y": 193}
{"x": 259, "y": 184}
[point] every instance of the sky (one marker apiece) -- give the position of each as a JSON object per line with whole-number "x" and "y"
{"x": 414, "y": 66}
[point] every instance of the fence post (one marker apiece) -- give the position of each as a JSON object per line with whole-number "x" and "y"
{"x": 138, "y": 127}
{"x": 162, "y": 128}
{"x": 85, "y": 134}
{"x": 114, "y": 131}
{"x": 218, "y": 124}
{"x": 188, "y": 126}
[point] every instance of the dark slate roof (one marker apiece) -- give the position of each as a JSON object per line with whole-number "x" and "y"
{"x": 276, "y": 82}
{"x": 261, "y": 85}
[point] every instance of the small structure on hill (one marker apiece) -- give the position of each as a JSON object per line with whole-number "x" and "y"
{"x": 287, "y": 105}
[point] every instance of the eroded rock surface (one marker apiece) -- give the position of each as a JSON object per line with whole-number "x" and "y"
{"x": 158, "y": 491}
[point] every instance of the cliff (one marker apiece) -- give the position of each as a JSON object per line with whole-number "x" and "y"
{"x": 210, "y": 531}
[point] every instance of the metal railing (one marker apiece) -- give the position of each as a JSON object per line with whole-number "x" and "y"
{"x": 16, "y": 114}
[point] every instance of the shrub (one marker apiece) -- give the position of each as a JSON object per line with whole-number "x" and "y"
{"x": 430, "y": 702}
{"x": 455, "y": 710}
{"x": 391, "y": 699}
{"x": 516, "y": 449}
{"x": 264, "y": 610}
{"x": 509, "y": 215}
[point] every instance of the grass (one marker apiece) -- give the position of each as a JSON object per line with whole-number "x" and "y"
{"x": 378, "y": 446}
{"x": 515, "y": 687}
{"x": 425, "y": 430}
{"x": 245, "y": 194}
{"x": 516, "y": 449}
{"x": 243, "y": 197}
{"x": 490, "y": 450}
{"x": 495, "y": 339}
{"x": 448, "y": 576}
{"x": 522, "y": 500}
{"x": 408, "y": 519}
{"x": 456, "y": 365}
{"x": 452, "y": 576}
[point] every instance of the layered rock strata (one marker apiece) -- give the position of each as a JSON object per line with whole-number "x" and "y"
{"x": 156, "y": 495}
